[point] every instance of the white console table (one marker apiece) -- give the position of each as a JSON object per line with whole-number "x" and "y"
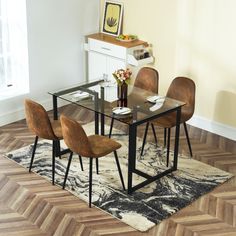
{"x": 107, "y": 54}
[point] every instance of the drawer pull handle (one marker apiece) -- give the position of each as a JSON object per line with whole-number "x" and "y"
{"x": 108, "y": 49}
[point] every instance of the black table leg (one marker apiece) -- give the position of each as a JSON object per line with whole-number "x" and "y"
{"x": 55, "y": 111}
{"x": 96, "y": 113}
{"x": 131, "y": 155}
{"x": 102, "y": 124}
{"x": 102, "y": 112}
{"x": 176, "y": 152}
{"x": 96, "y": 122}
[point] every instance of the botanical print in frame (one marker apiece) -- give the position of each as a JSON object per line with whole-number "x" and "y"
{"x": 112, "y": 17}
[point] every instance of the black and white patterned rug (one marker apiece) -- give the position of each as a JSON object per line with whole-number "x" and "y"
{"x": 145, "y": 207}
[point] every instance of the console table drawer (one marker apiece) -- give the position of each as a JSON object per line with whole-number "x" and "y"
{"x": 107, "y": 48}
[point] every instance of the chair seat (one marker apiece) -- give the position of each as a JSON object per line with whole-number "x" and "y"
{"x": 102, "y": 145}
{"x": 56, "y": 126}
{"x": 169, "y": 120}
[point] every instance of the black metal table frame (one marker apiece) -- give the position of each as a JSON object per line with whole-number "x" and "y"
{"x": 132, "y": 136}
{"x": 132, "y": 152}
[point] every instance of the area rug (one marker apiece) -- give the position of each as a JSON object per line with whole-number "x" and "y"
{"x": 145, "y": 207}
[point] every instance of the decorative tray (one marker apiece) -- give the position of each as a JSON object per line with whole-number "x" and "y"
{"x": 127, "y": 37}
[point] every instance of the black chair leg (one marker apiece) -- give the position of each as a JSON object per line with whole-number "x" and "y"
{"x": 111, "y": 126}
{"x": 67, "y": 169}
{"x": 53, "y": 160}
{"x": 81, "y": 163}
{"x": 119, "y": 170}
{"x": 33, "y": 152}
{"x": 154, "y": 133}
{"x": 58, "y": 149}
{"x": 90, "y": 180}
{"x": 187, "y": 136}
{"x": 144, "y": 137}
{"x": 168, "y": 147}
{"x": 97, "y": 169}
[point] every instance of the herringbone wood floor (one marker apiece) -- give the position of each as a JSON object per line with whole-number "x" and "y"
{"x": 30, "y": 205}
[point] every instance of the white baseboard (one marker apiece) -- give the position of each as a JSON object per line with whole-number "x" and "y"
{"x": 11, "y": 116}
{"x": 213, "y": 127}
{"x": 197, "y": 121}
{"x": 19, "y": 114}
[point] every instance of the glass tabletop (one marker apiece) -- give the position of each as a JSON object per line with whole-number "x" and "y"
{"x": 101, "y": 97}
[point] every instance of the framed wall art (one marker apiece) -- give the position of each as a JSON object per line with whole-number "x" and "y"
{"x": 112, "y": 18}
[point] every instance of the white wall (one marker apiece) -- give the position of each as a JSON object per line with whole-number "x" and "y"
{"x": 205, "y": 51}
{"x": 193, "y": 38}
{"x": 56, "y": 30}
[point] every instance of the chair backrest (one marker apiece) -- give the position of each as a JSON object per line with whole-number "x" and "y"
{"x": 75, "y": 137}
{"x": 38, "y": 120}
{"x": 148, "y": 79}
{"x": 183, "y": 89}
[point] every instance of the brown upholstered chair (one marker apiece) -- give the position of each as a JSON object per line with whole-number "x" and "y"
{"x": 148, "y": 79}
{"x": 182, "y": 89}
{"x": 40, "y": 124}
{"x": 92, "y": 147}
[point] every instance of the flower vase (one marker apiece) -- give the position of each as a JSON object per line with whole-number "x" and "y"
{"x": 122, "y": 91}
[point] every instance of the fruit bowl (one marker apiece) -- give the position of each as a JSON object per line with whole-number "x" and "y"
{"x": 127, "y": 37}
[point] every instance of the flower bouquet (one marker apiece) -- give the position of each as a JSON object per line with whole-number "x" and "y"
{"x": 122, "y": 76}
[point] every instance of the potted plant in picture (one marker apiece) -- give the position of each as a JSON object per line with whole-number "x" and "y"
{"x": 123, "y": 77}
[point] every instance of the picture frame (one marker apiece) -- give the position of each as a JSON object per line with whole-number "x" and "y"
{"x": 112, "y": 18}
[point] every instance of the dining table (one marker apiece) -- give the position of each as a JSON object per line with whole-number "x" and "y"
{"x": 140, "y": 107}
